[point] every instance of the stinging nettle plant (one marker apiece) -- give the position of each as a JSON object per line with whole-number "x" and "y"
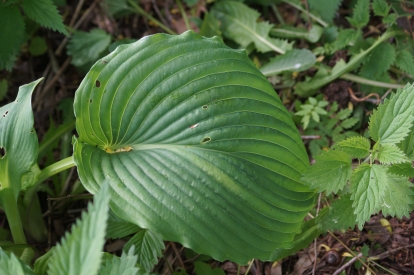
{"x": 188, "y": 142}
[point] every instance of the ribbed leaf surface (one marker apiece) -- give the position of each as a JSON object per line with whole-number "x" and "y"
{"x": 200, "y": 147}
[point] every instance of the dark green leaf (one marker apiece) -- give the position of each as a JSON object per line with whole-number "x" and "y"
{"x": 402, "y": 169}
{"x": 326, "y": 9}
{"x": 375, "y": 67}
{"x": 341, "y": 215}
{"x": 404, "y": 60}
{"x": 4, "y": 86}
{"x": 10, "y": 264}
{"x": 380, "y": 7}
{"x": 118, "y": 228}
{"x": 124, "y": 265}
{"x": 390, "y": 153}
{"x": 205, "y": 269}
{"x": 357, "y": 147}
{"x": 210, "y": 26}
{"x": 360, "y": 16}
{"x": 398, "y": 199}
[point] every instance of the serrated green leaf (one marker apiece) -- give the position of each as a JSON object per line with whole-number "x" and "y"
{"x": 398, "y": 199}
{"x": 341, "y": 215}
{"x": 152, "y": 116}
{"x": 344, "y": 113}
{"x": 315, "y": 116}
{"x": 210, "y": 26}
{"x": 325, "y": 9}
{"x": 11, "y": 35}
{"x": 357, "y": 147}
{"x": 118, "y": 228}
{"x": 330, "y": 173}
{"x": 360, "y": 16}
{"x": 390, "y": 153}
{"x": 375, "y": 67}
{"x": 345, "y": 38}
{"x": 45, "y": 13}
{"x": 390, "y": 18}
{"x": 201, "y": 268}
{"x": 404, "y": 60}
{"x": 239, "y": 23}
{"x": 124, "y": 265}
{"x": 80, "y": 251}
{"x": 380, "y": 7}
{"x": 407, "y": 145}
{"x": 368, "y": 185}
{"x": 349, "y": 122}
{"x": 392, "y": 120}
{"x": 402, "y": 169}
{"x": 41, "y": 264}
{"x": 10, "y": 264}
{"x": 85, "y": 47}
{"x": 294, "y": 60}
{"x": 148, "y": 247}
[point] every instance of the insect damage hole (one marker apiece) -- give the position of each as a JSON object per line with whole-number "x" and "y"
{"x": 90, "y": 100}
{"x": 2, "y": 152}
{"x": 205, "y": 107}
{"x": 206, "y": 139}
{"x": 5, "y": 114}
{"x": 97, "y": 83}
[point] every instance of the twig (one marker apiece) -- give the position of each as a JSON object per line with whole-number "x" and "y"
{"x": 315, "y": 241}
{"x": 177, "y": 253}
{"x": 342, "y": 268}
{"x": 70, "y": 196}
{"x": 158, "y": 12}
{"x": 183, "y": 14}
{"x": 387, "y": 253}
{"x": 248, "y": 268}
{"x": 310, "y": 137}
{"x": 365, "y": 98}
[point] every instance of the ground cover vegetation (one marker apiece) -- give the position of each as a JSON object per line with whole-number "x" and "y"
{"x": 192, "y": 124}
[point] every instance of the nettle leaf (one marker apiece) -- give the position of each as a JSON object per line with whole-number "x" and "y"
{"x": 349, "y": 122}
{"x": 41, "y": 264}
{"x": 239, "y": 23}
{"x": 45, "y": 13}
{"x": 18, "y": 141}
{"x": 292, "y": 61}
{"x": 10, "y": 264}
{"x": 405, "y": 169}
{"x": 330, "y": 173}
{"x": 375, "y": 67}
{"x": 404, "y": 61}
{"x": 392, "y": 120}
{"x": 360, "y": 16}
{"x": 80, "y": 252}
{"x": 340, "y": 216}
{"x": 124, "y": 265}
{"x": 357, "y": 147}
{"x": 86, "y": 47}
{"x": 325, "y": 9}
{"x": 345, "y": 38}
{"x": 398, "y": 199}
{"x": 11, "y": 35}
{"x": 390, "y": 153}
{"x": 407, "y": 145}
{"x": 186, "y": 127}
{"x": 368, "y": 185}
{"x": 344, "y": 114}
{"x": 118, "y": 228}
{"x": 147, "y": 246}
{"x": 380, "y": 7}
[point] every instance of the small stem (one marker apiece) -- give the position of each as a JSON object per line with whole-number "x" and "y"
{"x": 184, "y": 15}
{"x": 63, "y": 129}
{"x": 317, "y": 19}
{"x": 278, "y": 15}
{"x": 142, "y": 12}
{"x": 55, "y": 168}
{"x": 13, "y": 216}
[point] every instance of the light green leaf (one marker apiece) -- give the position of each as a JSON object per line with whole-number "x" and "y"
{"x": 10, "y": 264}
{"x": 86, "y": 47}
{"x": 345, "y": 38}
{"x": 210, "y": 26}
{"x": 18, "y": 140}
{"x": 311, "y": 35}
{"x": 390, "y": 153}
{"x": 80, "y": 251}
{"x": 326, "y": 9}
{"x": 344, "y": 113}
{"x": 392, "y": 120}
{"x": 368, "y": 185}
{"x": 380, "y": 7}
{"x": 202, "y": 150}
{"x": 11, "y": 35}
{"x": 349, "y": 122}
{"x": 201, "y": 268}
{"x": 118, "y": 228}
{"x": 147, "y": 246}
{"x": 360, "y": 16}
{"x": 402, "y": 169}
{"x": 41, "y": 264}
{"x": 357, "y": 147}
{"x": 45, "y": 13}
{"x": 312, "y": 101}
{"x": 398, "y": 199}
{"x": 330, "y": 173}
{"x": 340, "y": 216}
{"x": 404, "y": 60}
{"x": 239, "y": 23}
{"x": 124, "y": 265}
{"x": 375, "y": 67}
{"x": 292, "y": 61}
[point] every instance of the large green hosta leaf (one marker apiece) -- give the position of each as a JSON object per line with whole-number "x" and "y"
{"x": 200, "y": 147}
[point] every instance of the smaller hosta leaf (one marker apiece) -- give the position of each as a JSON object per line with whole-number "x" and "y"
{"x": 392, "y": 120}
{"x": 124, "y": 265}
{"x": 330, "y": 172}
{"x": 405, "y": 169}
{"x": 404, "y": 61}
{"x": 368, "y": 185}
{"x": 86, "y": 47}
{"x": 293, "y": 60}
{"x": 390, "y": 153}
{"x": 45, "y": 13}
{"x": 340, "y": 216}
{"x": 398, "y": 199}
{"x": 360, "y": 17}
{"x": 357, "y": 147}
{"x": 10, "y": 264}
{"x": 380, "y": 7}
{"x": 80, "y": 252}
{"x": 349, "y": 122}
{"x": 118, "y": 228}
{"x": 205, "y": 269}
{"x": 148, "y": 247}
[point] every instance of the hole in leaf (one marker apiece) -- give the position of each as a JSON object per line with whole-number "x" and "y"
{"x": 105, "y": 62}
{"x": 97, "y": 83}
{"x": 205, "y": 107}
{"x": 31, "y": 131}
{"x": 90, "y": 100}
{"x": 2, "y": 152}
{"x": 5, "y": 114}
{"x": 206, "y": 139}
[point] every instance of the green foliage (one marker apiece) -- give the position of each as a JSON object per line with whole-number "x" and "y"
{"x": 118, "y": 228}
{"x": 340, "y": 216}
{"x": 391, "y": 154}
{"x": 293, "y": 60}
{"x": 360, "y": 16}
{"x": 312, "y": 110}
{"x": 356, "y": 147}
{"x": 37, "y": 46}
{"x": 205, "y": 269}
{"x": 125, "y": 265}
{"x": 380, "y": 7}
{"x": 147, "y": 246}
{"x": 374, "y": 67}
{"x": 210, "y": 26}
{"x": 10, "y": 264}
{"x": 404, "y": 60}
{"x": 326, "y": 9}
